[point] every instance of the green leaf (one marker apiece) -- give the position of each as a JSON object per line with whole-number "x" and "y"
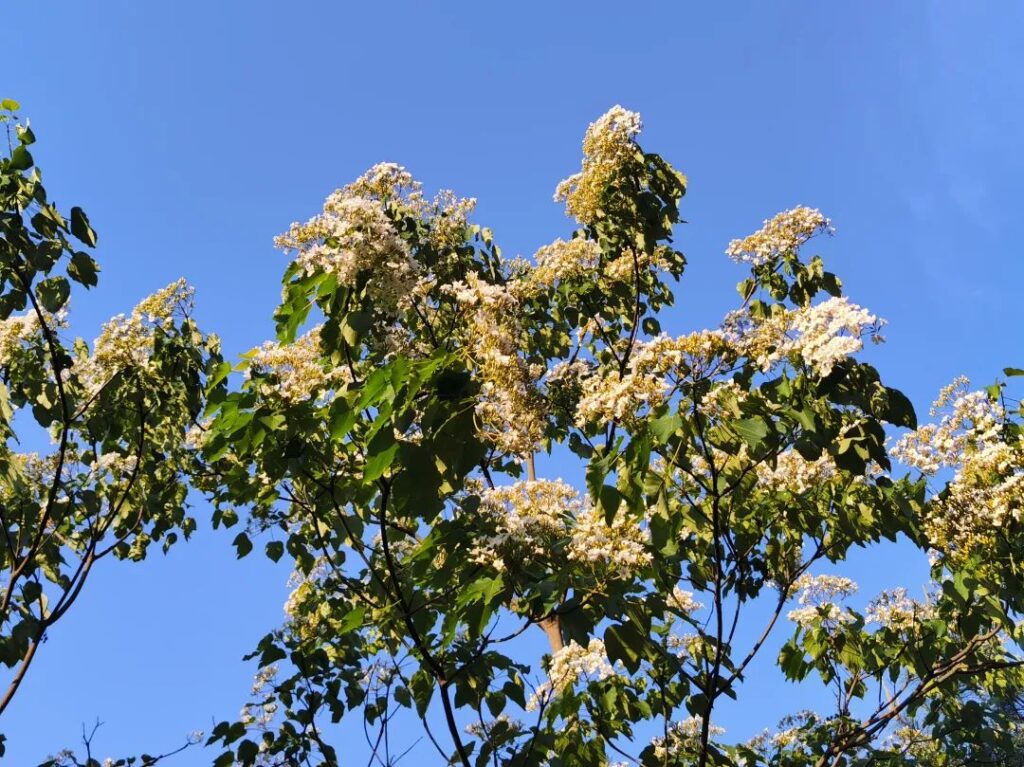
{"x": 792, "y": 662}
{"x": 495, "y": 703}
{"x": 21, "y": 159}
{"x": 609, "y": 499}
{"x": 651, "y": 326}
{"x": 10, "y": 105}
{"x": 515, "y": 693}
{"x": 275, "y": 550}
{"x": 663, "y": 428}
{"x": 751, "y": 430}
{"x": 381, "y": 455}
{"x": 242, "y": 544}
{"x": 80, "y": 227}
{"x": 83, "y": 269}
{"x": 624, "y": 643}
{"x": 354, "y": 326}
{"x": 452, "y": 384}
{"x": 247, "y": 752}
{"x": 900, "y": 411}
{"x": 422, "y": 687}
{"x": 1013, "y": 372}
{"x": 403, "y": 697}
{"x": 697, "y": 704}
{"x": 31, "y": 591}
{"x": 417, "y": 486}
{"x": 343, "y": 418}
{"x": 353, "y": 619}
{"x": 53, "y": 293}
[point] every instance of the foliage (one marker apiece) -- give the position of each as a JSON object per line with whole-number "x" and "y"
{"x": 110, "y": 419}
{"x": 386, "y": 442}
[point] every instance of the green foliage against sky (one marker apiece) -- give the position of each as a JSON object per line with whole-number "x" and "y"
{"x": 389, "y": 436}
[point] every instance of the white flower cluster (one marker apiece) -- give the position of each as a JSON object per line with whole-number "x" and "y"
{"x": 564, "y": 380}
{"x": 563, "y": 260}
{"x": 501, "y": 726}
{"x": 352, "y": 237}
{"x": 682, "y": 740}
{"x": 128, "y": 341}
{"x": 786, "y": 738}
{"x": 261, "y": 713}
{"x": 449, "y": 218}
{"x": 386, "y": 182}
{"x": 971, "y": 423}
{"x": 297, "y": 370}
{"x": 917, "y": 745}
{"x": 569, "y": 665}
{"x": 987, "y": 489}
{"x": 795, "y": 474}
{"x": 511, "y": 408}
{"x": 700, "y": 468}
{"x": 653, "y": 371}
{"x": 818, "y": 596}
{"x": 302, "y": 585}
{"x": 783, "y": 233}
{"x": 614, "y": 397}
{"x": 391, "y": 184}
{"x": 528, "y": 516}
{"x": 685, "y": 645}
{"x": 15, "y": 331}
{"x": 895, "y": 610}
{"x": 821, "y": 335}
{"x": 619, "y": 549}
{"x": 115, "y": 465}
{"x": 531, "y": 518}
{"x": 626, "y": 266}
{"x": 607, "y": 147}
{"x": 831, "y": 331}
{"x": 683, "y": 601}
{"x": 195, "y": 435}
{"x": 795, "y": 730}
{"x": 722, "y": 400}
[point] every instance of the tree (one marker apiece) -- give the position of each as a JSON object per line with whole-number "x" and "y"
{"x": 111, "y": 419}
{"x": 388, "y": 438}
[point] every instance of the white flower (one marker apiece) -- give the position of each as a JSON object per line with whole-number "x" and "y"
{"x": 297, "y": 369}
{"x": 619, "y": 549}
{"x": 608, "y": 145}
{"x": 987, "y": 488}
{"x": 570, "y": 665}
{"x": 563, "y": 260}
{"x": 683, "y": 601}
{"x": 893, "y": 609}
{"x": 511, "y": 409}
{"x": 352, "y": 237}
{"x": 530, "y": 518}
{"x": 14, "y": 332}
{"x": 821, "y": 335}
{"x": 129, "y": 341}
{"x": 786, "y": 232}
{"x": 831, "y": 331}
{"x": 817, "y": 595}
{"x": 794, "y": 473}
{"x": 683, "y": 739}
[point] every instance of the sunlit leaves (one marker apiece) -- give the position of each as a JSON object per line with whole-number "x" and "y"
{"x": 740, "y": 465}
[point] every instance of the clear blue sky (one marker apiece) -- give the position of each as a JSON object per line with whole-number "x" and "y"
{"x": 193, "y": 132}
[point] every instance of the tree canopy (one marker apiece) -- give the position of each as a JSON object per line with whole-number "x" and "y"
{"x": 386, "y": 443}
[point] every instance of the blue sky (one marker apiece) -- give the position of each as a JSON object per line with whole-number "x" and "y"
{"x": 193, "y": 132}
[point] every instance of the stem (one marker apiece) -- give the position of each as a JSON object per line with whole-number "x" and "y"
{"x": 428, "y": 658}
{"x": 552, "y": 627}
